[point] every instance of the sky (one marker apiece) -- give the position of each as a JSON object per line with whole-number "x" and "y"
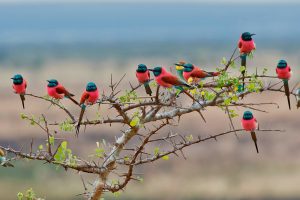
{"x": 152, "y": 1}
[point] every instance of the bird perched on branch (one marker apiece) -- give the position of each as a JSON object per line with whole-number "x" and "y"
{"x": 191, "y": 73}
{"x": 168, "y": 80}
{"x": 3, "y": 161}
{"x": 88, "y": 97}
{"x": 249, "y": 123}
{"x": 246, "y": 45}
{"x": 143, "y": 76}
{"x": 57, "y": 91}
{"x": 19, "y": 86}
{"x": 283, "y": 71}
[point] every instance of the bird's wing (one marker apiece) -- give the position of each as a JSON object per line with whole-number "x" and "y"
{"x": 199, "y": 73}
{"x": 84, "y": 97}
{"x": 25, "y": 85}
{"x": 61, "y": 90}
{"x": 240, "y": 44}
{"x": 149, "y": 74}
{"x": 173, "y": 80}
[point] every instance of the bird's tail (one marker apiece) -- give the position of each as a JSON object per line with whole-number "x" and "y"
{"x": 70, "y": 96}
{"x": 298, "y": 104}
{"x": 287, "y": 91}
{"x": 243, "y": 63}
{"x": 147, "y": 88}
{"x": 22, "y": 96}
{"x": 80, "y": 119}
{"x": 189, "y": 95}
{"x": 253, "y": 135}
{"x": 212, "y": 74}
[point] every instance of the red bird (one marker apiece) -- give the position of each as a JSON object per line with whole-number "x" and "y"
{"x": 246, "y": 45}
{"x": 88, "y": 97}
{"x": 191, "y": 71}
{"x": 143, "y": 76}
{"x": 57, "y": 91}
{"x": 284, "y": 72}
{"x": 168, "y": 80}
{"x": 19, "y": 86}
{"x": 249, "y": 123}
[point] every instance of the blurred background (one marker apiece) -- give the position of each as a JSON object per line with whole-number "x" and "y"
{"x": 80, "y": 41}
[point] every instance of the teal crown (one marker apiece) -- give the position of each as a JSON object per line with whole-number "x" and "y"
{"x": 246, "y": 36}
{"x": 90, "y": 87}
{"x": 141, "y": 68}
{"x": 247, "y": 115}
{"x": 188, "y": 67}
{"x": 282, "y": 64}
{"x": 17, "y": 79}
{"x": 157, "y": 71}
{"x": 52, "y": 83}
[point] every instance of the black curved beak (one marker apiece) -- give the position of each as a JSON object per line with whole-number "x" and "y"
{"x": 252, "y": 34}
{"x": 48, "y": 81}
{"x": 12, "y": 78}
{"x": 151, "y": 70}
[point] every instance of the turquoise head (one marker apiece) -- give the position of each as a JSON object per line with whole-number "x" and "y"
{"x": 91, "y": 87}
{"x": 17, "y": 79}
{"x": 248, "y": 115}
{"x": 52, "y": 83}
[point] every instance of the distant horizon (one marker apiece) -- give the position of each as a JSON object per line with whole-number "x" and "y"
{"x": 279, "y": 2}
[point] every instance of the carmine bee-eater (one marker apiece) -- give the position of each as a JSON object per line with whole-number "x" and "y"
{"x": 3, "y": 161}
{"x": 283, "y": 71}
{"x": 191, "y": 71}
{"x": 246, "y": 45}
{"x": 249, "y": 123}
{"x": 19, "y": 86}
{"x": 143, "y": 76}
{"x": 88, "y": 97}
{"x": 168, "y": 80}
{"x": 57, "y": 91}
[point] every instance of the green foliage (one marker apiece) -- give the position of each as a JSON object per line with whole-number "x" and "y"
{"x": 128, "y": 97}
{"x": 64, "y": 154}
{"x": 32, "y": 119}
{"x": 28, "y": 195}
{"x": 135, "y": 120}
{"x": 66, "y": 126}
{"x": 189, "y": 138}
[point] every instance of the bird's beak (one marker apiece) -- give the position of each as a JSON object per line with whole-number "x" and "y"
{"x": 12, "y": 78}
{"x": 151, "y": 70}
{"x": 252, "y": 34}
{"x": 48, "y": 81}
{"x": 179, "y": 67}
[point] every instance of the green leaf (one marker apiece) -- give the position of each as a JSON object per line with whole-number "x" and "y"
{"x": 156, "y": 151}
{"x": 135, "y": 121}
{"x": 20, "y": 196}
{"x": 41, "y": 147}
{"x": 242, "y": 68}
{"x": 51, "y": 140}
{"x": 224, "y": 61}
{"x": 166, "y": 157}
{"x": 64, "y": 144}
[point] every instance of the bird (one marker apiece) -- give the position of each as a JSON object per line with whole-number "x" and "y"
{"x": 283, "y": 71}
{"x": 19, "y": 86}
{"x": 168, "y": 80}
{"x": 249, "y": 123}
{"x": 190, "y": 71}
{"x": 246, "y": 45}
{"x": 88, "y": 97}
{"x": 57, "y": 91}
{"x": 143, "y": 76}
{"x": 179, "y": 69}
{"x": 3, "y": 161}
